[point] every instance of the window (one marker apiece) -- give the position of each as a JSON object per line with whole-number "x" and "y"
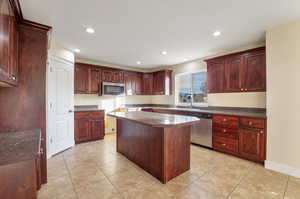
{"x": 191, "y": 89}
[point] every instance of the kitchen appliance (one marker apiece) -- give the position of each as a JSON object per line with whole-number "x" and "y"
{"x": 115, "y": 89}
{"x": 202, "y": 131}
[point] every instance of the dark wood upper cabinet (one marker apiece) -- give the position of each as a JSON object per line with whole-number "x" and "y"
{"x": 162, "y": 82}
{"x": 138, "y": 83}
{"x": 147, "y": 83}
{"x": 215, "y": 76}
{"x": 87, "y": 79}
{"x": 8, "y": 45}
{"x": 81, "y": 78}
{"x": 239, "y": 72}
{"x": 95, "y": 80}
{"x": 112, "y": 75}
{"x": 255, "y": 71}
{"x": 233, "y": 74}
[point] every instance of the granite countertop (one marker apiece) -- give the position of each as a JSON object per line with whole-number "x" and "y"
{"x": 236, "y": 111}
{"x": 87, "y": 108}
{"x": 155, "y": 119}
{"x": 19, "y": 146}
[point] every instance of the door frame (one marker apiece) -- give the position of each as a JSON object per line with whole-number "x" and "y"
{"x": 67, "y": 58}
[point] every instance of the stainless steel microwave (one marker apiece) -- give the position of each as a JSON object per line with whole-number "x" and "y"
{"x": 113, "y": 89}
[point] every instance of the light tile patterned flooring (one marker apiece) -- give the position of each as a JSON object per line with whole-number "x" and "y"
{"x": 96, "y": 171}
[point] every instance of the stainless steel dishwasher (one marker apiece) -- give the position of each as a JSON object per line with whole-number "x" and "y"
{"x": 202, "y": 131}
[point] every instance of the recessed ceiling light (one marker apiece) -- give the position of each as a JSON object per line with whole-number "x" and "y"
{"x": 217, "y": 33}
{"x": 138, "y": 62}
{"x": 90, "y": 30}
{"x": 77, "y": 50}
{"x": 164, "y": 52}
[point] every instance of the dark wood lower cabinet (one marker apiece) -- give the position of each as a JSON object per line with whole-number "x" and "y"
{"x": 244, "y": 137}
{"x": 89, "y": 126}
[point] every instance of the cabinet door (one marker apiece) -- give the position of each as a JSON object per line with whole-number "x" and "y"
{"x": 147, "y": 83}
{"x": 215, "y": 77}
{"x": 95, "y": 79}
{"x": 233, "y": 72}
{"x": 81, "y": 79}
{"x": 255, "y": 71}
{"x": 129, "y": 83}
{"x": 138, "y": 84}
{"x": 252, "y": 144}
{"x": 97, "y": 129}
{"x": 82, "y": 130}
{"x": 118, "y": 77}
{"x": 159, "y": 83}
{"x": 4, "y": 41}
{"x": 107, "y": 75}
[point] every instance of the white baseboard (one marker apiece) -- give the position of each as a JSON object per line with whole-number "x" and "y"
{"x": 282, "y": 168}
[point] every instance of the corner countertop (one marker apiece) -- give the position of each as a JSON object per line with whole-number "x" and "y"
{"x": 235, "y": 111}
{"x": 155, "y": 119}
{"x": 87, "y": 108}
{"x": 19, "y": 146}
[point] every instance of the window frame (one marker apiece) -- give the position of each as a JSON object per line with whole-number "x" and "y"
{"x": 177, "y": 103}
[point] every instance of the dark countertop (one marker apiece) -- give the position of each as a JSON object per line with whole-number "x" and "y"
{"x": 155, "y": 119}
{"x": 236, "y": 111}
{"x": 87, "y": 108}
{"x": 19, "y": 146}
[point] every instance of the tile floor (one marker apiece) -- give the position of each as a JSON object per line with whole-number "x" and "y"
{"x": 95, "y": 171}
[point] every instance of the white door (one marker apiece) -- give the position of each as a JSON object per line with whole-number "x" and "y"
{"x": 60, "y": 105}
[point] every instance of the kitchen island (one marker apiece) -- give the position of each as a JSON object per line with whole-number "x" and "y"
{"x": 158, "y": 143}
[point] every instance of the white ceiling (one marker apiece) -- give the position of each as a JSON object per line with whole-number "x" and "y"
{"x": 128, "y": 31}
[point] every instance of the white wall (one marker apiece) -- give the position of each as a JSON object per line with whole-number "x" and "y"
{"x": 283, "y": 98}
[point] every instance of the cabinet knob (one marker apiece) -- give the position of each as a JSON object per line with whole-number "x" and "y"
{"x": 13, "y": 77}
{"x": 224, "y": 130}
{"x": 223, "y": 144}
{"x": 242, "y": 89}
{"x": 250, "y": 123}
{"x": 224, "y": 120}
{"x": 261, "y": 132}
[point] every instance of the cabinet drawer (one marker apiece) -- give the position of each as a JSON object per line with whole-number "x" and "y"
{"x": 252, "y": 123}
{"x": 225, "y": 145}
{"x": 97, "y": 115}
{"x": 225, "y": 121}
{"x": 82, "y": 115}
{"x": 224, "y": 132}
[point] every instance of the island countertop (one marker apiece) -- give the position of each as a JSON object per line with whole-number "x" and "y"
{"x": 155, "y": 119}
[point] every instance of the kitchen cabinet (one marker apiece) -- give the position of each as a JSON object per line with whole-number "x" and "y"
{"x": 147, "y": 83}
{"x": 89, "y": 126}
{"x": 244, "y": 137}
{"x": 252, "y": 139}
{"x": 95, "y": 80}
{"x": 112, "y": 75}
{"x": 215, "y": 76}
{"x": 87, "y": 79}
{"x": 8, "y": 45}
{"x": 133, "y": 83}
{"x": 162, "y": 82}
{"x": 81, "y": 78}
{"x": 238, "y": 72}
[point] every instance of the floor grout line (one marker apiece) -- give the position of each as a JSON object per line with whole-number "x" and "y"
{"x": 66, "y": 164}
{"x": 242, "y": 178}
{"x": 286, "y": 187}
